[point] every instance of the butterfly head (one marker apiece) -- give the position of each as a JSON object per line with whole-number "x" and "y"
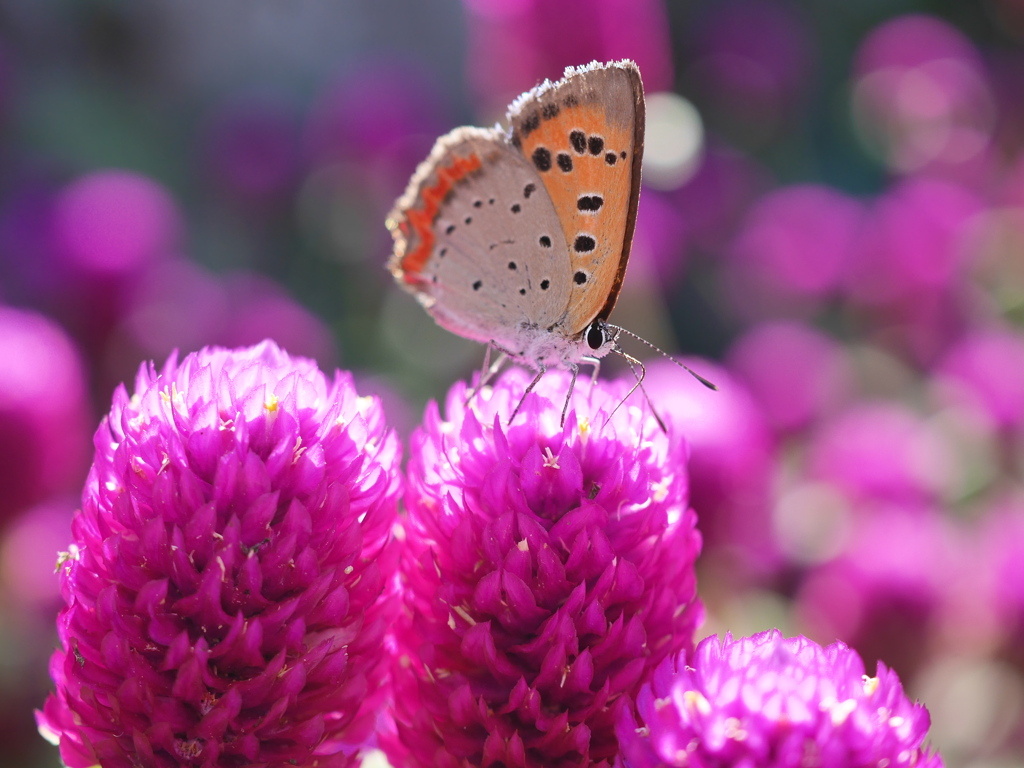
{"x": 599, "y": 338}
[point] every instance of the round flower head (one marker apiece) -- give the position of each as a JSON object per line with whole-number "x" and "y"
{"x": 772, "y": 702}
{"x": 545, "y": 570}
{"x": 223, "y": 584}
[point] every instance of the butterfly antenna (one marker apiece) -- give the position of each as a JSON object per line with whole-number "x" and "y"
{"x": 633, "y": 362}
{"x": 665, "y": 354}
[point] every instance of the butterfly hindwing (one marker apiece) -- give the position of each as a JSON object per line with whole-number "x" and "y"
{"x": 584, "y": 137}
{"x": 478, "y": 240}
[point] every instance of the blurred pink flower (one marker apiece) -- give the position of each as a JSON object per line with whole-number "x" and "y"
{"x": 983, "y": 370}
{"x": 922, "y": 94}
{"x": 44, "y": 411}
{"x": 514, "y": 44}
{"x": 886, "y": 592}
{"x": 731, "y": 464}
{"x": 909, "y": 274}
{"x": 180, "y": 305}
{"x": 714, "y": 200}
{"x": 259, "y": 308}
{"x": 1002, "y": 556}
{"x": 113, "y": 223}
{"x": 28, "y": 551}
{"x": 106, "y": 229}
{"x": 794, "y": 250}
{"x": 659, "y": 243}
{"x": 797, "y": 374}
{"x": 881, "y": 450}
{"x": 29, "y": 599}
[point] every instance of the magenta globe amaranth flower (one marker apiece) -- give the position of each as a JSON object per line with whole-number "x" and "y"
{"x": 545, "y": 570}
{"x": 772, "y": 701}
{"x": 224, "y": 581}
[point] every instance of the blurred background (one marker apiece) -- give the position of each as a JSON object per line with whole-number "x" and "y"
{"x": 832, "y": 229}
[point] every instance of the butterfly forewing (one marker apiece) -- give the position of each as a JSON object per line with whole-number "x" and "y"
{"x": 479, "y": 242}
{"x": 584, "y": 138}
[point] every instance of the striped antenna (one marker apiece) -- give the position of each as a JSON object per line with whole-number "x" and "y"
{"x": 665, "y": 354}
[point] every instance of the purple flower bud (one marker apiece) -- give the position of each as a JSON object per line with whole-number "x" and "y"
{"x": 772, "y": 702}
{"x": 224, "y": 581}
{"x": 545, "y": 570}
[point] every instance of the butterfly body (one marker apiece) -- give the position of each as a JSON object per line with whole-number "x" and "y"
{"x": 519, "y": 238}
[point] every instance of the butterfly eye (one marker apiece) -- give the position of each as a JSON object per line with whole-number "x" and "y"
{"x": 595, "y": 336}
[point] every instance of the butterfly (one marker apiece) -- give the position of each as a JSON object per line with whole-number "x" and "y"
{"x": 519, "y": 237}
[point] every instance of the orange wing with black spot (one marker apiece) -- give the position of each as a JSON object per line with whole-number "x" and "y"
{"x": 584, "y": 135}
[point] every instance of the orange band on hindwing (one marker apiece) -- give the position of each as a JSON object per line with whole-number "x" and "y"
{"x": 421, "y": 220}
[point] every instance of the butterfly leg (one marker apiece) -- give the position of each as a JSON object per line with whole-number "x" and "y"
{"x": 568, "y": 395}
{"x": 596, "y": 363}
{"x": 529, "y": 388}
{"x": 639, "y": 376}
{"x": 488, "y": 370}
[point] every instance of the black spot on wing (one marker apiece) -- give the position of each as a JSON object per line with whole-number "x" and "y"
{"x": 584, "y": 244}
{"x": 578, "y": 139}
{"x": 542, "y": 159}
{"x": 530, "y": 124}
{"x": 565, "y": 162}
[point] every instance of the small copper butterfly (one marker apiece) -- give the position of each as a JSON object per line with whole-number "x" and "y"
{"x": 519, "y": 238}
